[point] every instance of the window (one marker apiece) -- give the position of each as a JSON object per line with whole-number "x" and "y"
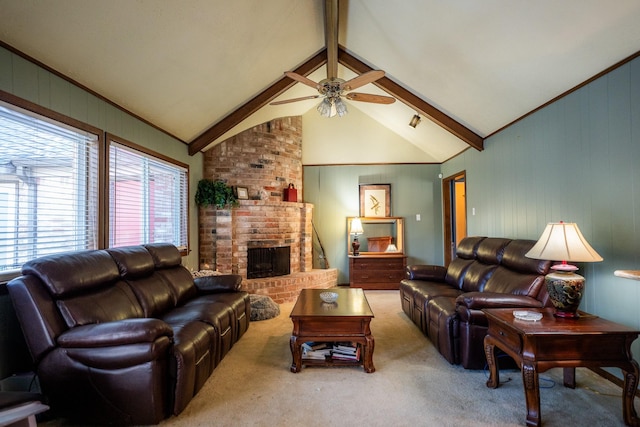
{"x": 48, "y": 186}
{"x": 148, "y": 197}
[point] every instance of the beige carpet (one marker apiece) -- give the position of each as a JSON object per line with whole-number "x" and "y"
{"x": 413, "y": 385}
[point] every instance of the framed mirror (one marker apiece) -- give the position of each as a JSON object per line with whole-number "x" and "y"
{"x": 379, "y": 235}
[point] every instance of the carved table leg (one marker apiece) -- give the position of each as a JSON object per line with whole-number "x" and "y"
{"x": 367, "y": 357}
{"x": 489, "y": 350}
{"x": 296, "y": 354}
{"x": 630, "y": 385}
{"x": 532, "y": 393}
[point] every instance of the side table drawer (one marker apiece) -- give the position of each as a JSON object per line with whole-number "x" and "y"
{"x": 507, "y": 336}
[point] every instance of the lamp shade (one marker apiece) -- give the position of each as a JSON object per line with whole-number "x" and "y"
{"x": 356, "y": 226}
{"x": 563, "y": 241}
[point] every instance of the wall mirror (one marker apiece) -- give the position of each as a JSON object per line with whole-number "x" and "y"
{"x": 380, "y": 235}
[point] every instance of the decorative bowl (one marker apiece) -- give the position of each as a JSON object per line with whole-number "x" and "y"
{"x": 329, "y": 296}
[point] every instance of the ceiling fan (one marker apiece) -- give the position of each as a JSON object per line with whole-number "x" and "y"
{"x": 333, "y": 88}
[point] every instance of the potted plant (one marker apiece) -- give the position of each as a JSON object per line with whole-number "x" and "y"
{"x": 215, "y": 193}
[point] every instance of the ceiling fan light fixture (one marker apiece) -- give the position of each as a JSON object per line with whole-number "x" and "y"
{"x": 341, "y": 107}
{"x": 324, "y": 108}
{"x": 415, "y": 120}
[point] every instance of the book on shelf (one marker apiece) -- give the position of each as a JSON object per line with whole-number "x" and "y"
{"x": 345, "y": 353}
{"x": 310, "y": 345}
{"x": 316, "y": 351}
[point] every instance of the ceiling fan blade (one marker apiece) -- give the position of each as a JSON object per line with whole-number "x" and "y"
{"x": 367, "y": 97}
{"x": 287, "y": 101}
{"x": 302, "y": 79}
{"x": 363, "y": 79}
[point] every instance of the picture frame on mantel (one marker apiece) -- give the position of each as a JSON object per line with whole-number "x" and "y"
{"x": 242, "y": 193}
{"x": 375, "y": 200}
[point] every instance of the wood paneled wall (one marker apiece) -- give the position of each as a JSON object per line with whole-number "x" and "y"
{"x": 577, "y": 160}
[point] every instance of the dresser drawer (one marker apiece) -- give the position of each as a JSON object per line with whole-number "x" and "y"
{"x": 379, "y": 264}
{"x": 377, "y": 276}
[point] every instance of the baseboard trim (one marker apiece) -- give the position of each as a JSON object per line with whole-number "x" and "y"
{"x": 608, "y": 376}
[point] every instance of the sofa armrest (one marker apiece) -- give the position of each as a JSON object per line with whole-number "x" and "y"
{"x": 122, "y": 332}
{"x": 434, "y": 273}
{"x": 218, "y": 284}
{"x": 480, "y": 300}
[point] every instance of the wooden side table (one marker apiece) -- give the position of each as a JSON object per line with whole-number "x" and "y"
{"x": 537, "y": 346}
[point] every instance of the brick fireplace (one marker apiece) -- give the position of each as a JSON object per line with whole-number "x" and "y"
{"x": 264, "y": 159}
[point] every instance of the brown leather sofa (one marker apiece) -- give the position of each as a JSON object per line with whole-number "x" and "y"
{"x": 446, "y": 303}
{"x": 125, "y": 335}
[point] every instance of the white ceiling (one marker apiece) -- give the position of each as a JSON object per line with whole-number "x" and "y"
{"x": 184, "y": 65}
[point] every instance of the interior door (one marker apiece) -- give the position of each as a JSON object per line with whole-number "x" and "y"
{"x": 454, "y": 193}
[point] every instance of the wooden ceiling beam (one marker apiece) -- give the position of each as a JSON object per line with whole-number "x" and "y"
{"x": 253, "y": 105}
{"x": 414, "y": 101}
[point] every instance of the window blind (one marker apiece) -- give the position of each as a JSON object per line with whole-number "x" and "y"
{"x": 48, "y": 187}
{"x": 147, "y": 199}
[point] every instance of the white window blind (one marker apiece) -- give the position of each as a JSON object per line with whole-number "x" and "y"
{"x": 147, "y": 199}
{"x": 48, "y": 187}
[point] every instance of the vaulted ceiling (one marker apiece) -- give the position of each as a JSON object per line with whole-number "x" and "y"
{"x": 203, "y": 70}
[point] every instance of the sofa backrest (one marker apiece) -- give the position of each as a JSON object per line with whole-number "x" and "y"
{"x": 137, "y": 268}
{"x": 488, "y": 256}
{"x": 465, "y": 255}
{"x": 85, "y": 286}
{"x": 518, "y": 274}
{"x": 168, "y": 264}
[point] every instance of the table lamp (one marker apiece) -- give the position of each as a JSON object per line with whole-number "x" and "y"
{"x": 356, "y": 228}
{"x": 563, "y": 241}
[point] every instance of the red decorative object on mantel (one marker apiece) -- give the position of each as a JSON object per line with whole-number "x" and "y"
{"x": 290, "y": 194}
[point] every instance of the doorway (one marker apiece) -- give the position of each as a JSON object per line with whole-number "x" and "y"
{"x": 454, "y": 195}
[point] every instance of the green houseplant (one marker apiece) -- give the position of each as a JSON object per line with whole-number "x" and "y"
{"x": 215, "y": 193}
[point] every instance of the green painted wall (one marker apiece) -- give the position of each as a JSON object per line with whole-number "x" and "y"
{"x": 415, "y": 189}
{"x": 576, "y": 160}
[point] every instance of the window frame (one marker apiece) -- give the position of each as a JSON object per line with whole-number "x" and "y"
{"x": 102, "y": 137}
{"x": 109, "y": 138}
{"x": 52, "y": 116}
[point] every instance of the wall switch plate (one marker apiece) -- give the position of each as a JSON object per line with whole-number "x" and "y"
{"x": 417, "y": 217}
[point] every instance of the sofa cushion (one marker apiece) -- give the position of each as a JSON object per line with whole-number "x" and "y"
{"x": 476, "y": 276}
{"x": 168, "y": 264}
{"x": 514, "y": 258}
{"x": 137, "y": 267}
{"x": 491, "y": 250}
{"x": 132, "y": 261}
{"x": 456, "y": 272}
{"x": 508, "y": 281}
{"x": 103, "y": 305}
{"x": 468, "y": 247}
{"x": 73, "y": 272}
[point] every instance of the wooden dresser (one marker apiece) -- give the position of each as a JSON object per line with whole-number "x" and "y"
{"x": 380, "y": 271}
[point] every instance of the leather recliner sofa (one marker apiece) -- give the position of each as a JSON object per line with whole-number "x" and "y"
{"x": 446, "y": 302}
{"x": 125, "y": 335}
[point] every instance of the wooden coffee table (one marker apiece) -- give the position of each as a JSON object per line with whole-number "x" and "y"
{"x": 537, "y": 346}
{"x": 348, "y": 319}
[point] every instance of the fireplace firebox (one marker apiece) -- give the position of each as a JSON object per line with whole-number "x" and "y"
{"x": 268, "y": 261}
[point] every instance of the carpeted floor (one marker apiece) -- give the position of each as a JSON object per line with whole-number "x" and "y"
{"x": 413, "y": 385}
